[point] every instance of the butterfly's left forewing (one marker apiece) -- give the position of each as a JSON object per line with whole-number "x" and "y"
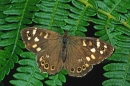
{"x": 47, "y": 46}
{"x": 36, "y": 38}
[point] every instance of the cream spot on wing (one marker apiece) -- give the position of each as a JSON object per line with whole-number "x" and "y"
{"x": 87, "y": 58}
{"x": 93, "y": 50}
{"x": 79, "y": 60}
{"x": 93, "y": 57}
{"x": 34, "y": 31}
{"x": 90, "y": 43}
{"x": 41, "y": 33}
{"x": 84, "y": 44}
{"x": 34, "y": 46}
{"x": 105, "y": 46}
{"x": 101, "y": 52}
{"x": 46, "y": 36}
{"x": 27, "y": 32}
{"x": 98, "y": 43}
{"x": 36, "y": 39}
{"x": 47, "y": 56}
{"x": 38, "y": 49}
{"x": 87, "y": 65}
{"x": 29, "y": 38}
{"x": 41, "y": 58}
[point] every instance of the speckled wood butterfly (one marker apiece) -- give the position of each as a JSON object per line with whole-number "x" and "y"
{"x": 55, "y": 52}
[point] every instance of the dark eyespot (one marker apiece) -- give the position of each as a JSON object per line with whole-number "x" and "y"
{"x": 46, "y": 65}
{"x": 29, "y": 34}
{"x": 102, "y": 48}
{"x": 72, "y": 69}
{"x": 79, "y": 69}
{"x": 83, "y": 67}
{"x": 42, "y": 57}
{"x": 43, "y": 62}
{"x": 52, "y": 67}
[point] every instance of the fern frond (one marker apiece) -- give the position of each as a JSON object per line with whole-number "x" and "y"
{"x": 108, "y": 23}
{"x": 114, "y": 27}
{"x": 111, "y": 19}
{"x": 28, "y": 73}
{"x": 52, "y": 14}
{"x": 119, "y": 70}
{"x": 78, "y": 18}
{"x": 13, "y": 16}
{"x": 57, "y": 80}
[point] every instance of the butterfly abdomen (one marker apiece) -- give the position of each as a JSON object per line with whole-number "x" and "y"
{"x": 64, "y": 54}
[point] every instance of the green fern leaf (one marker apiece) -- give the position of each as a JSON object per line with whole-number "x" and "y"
{"x": 28, "y": 72}
{"x": 115, "y": 82}
{"x": 112, "y": 24}
{"x": 10, "y": 34}
{"x": 114, "y": 27}
{"x": 54, "y": 81}
{"x": 62, "y": 77}
{"x": 12, "y": 17}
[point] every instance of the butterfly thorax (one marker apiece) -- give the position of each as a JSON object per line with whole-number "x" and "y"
{"x": 65, "y": 38}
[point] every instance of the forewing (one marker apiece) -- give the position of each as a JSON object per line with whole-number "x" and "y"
{"x": 47, "y": 46}
{"x": 95, "y": 50}
{"x": 35, "y": 38}
{"x": 83, "y": 52}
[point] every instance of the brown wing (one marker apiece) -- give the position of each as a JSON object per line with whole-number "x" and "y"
{"x": 75, "y": 64}
{"x": 83, "y": 52}
{"x": 36, "y": 37}
{"x": 49, "y": 59}
{"x": 46, "y": 45}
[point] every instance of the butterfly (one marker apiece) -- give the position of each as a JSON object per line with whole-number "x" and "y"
{"x": 55, "y": 52}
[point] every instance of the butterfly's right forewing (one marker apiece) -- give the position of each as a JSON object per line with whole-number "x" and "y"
{"x": 83, "y": 53}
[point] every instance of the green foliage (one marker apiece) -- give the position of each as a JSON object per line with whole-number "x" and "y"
{"x": 56, "y": 80}
{"x": 117, "y": 32}
{"x": 28, "y": 73}
{"x": 111, "y": 20}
